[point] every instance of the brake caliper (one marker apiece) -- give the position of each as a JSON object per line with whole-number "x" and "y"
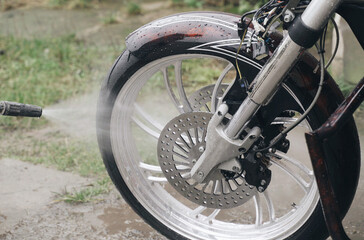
{"x": 256, "y": 171}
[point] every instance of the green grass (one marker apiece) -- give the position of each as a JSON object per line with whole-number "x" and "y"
{"x": 194, "y": 3}
{"x": 90, "y": 194}
{"x": 54, "y": 149}
{"x": 110, "y": 19}
{"x": 64, "y": 153}
{"x": 46, "y": 71}
{"x": 133, "y": 8}
{"x": 72, "y": 4}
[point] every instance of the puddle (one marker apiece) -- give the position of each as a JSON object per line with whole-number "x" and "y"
{"x": 121, "y": 219}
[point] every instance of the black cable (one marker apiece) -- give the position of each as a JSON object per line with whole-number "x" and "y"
{"x": 337, "y": 43}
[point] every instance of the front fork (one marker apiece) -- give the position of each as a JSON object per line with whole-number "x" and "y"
{"x": 223, "y": 140}
{"x": 303, "y": 33}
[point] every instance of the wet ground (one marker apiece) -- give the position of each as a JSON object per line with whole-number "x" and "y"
{"x": 28, "y": 209}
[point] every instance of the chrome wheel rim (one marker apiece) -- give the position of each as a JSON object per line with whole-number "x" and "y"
{"x": 139, "y": 115}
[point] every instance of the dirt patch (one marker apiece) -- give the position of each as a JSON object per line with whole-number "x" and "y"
{"x": 29, "y": 210}
{"x": 27, "y": 188}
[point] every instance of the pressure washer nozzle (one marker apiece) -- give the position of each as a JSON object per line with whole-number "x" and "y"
{"x": 19, "y": 109}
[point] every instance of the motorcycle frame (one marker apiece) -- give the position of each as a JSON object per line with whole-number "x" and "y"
{"x": 351, "y": 11}
{"x": 316, "y": 141}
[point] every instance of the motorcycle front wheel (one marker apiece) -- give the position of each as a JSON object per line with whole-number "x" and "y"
{"x": 143, "y": 99}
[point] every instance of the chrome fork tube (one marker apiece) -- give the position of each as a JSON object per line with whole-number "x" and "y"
{"x": 318, "y": 13}
{"x": 265, "y": 84}
{"x": 269, "y": 79}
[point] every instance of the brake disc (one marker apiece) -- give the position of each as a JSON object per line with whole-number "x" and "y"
{"x": 181, "y": 143}
{"x": 201, "y": 99}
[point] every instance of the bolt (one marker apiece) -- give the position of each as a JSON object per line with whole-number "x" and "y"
{"x": 289, "y": 16}
{"x": 201, "y": 149}
{"x": 261, "y": 169}
{"x": 200, "y": 174}
{"x": 236, "y": 169}
{"x": 252, "y": 136}
{"x": 258, "y": 155}
{"x": 194, "y": 161}
{"x": 263, "y": 182}
{"x": 243, "y": 150}
{"x": 260, "y": 189}
{"x": 285, "y": 144}
{"x": 272, "y": 150}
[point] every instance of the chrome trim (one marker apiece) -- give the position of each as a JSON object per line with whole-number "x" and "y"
{"x": 318, "y": 12}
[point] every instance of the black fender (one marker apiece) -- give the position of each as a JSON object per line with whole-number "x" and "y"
{"x": 218, "y": 34}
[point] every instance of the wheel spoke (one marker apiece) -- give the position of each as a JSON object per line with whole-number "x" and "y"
{"x": 289, "y": 121}
{"x": 198, "y": 211}
{"x": 181, "y": 91}
{"x": 300, "y": 181}
{"x": 150, "y": 168}
{"x": 213, "y": 215}
{"x": 157, "y": 179}
{"x": 284, "y": 120}
{"x": 147, "y": 129}
{"x": 145, "y": 116}
{"x": 170, "y": 90}
{"x": 258, "y": 210}
{"x": 214, "y": 98}
{"x": 270, "y": 206}
{"x": 296, "y": 163}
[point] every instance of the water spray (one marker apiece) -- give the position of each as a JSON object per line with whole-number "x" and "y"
{"x": 19, "y": 109}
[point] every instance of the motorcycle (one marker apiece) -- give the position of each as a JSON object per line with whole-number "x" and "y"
{"x": 201, "y": 124}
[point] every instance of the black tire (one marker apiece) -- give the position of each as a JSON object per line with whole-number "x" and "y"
{"x": 302, "y": 83}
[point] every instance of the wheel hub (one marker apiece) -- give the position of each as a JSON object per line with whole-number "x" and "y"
{"x": 181, "y": 143}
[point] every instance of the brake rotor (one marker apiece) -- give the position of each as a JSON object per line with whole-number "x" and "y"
{"x": 181, "y": 143}
{"x": 201, "y": 99}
